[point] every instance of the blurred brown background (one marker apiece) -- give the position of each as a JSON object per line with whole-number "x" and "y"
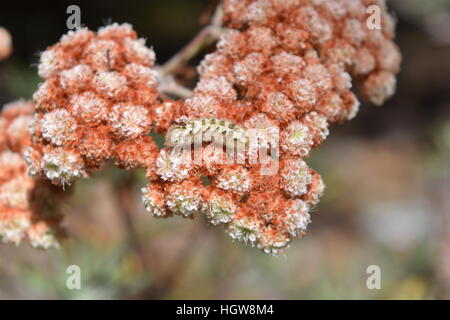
{"x": 387, "y": 173}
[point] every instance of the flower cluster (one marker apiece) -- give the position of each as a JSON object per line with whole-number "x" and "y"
{"x": 5, "y": 44}
{"x": 282, "y": 72}
{"x": 97, "y": 103}
{"x": 235, "y": 151}
{"x": 27, "y": 210}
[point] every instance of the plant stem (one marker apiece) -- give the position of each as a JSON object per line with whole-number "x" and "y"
{"x": 125, "y": 201}
{"x": 169, "y": 86}
{"x": 204, "y": 38}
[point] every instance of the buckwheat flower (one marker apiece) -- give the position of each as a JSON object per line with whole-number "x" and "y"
{"x": 282, "y": 73}
{"x": 379, "y": 86}
{"x": 209, "y": 159}
{"x": 245, "y": 229}
{"x": 352, "y": 105}
{"x": 89, "y": 107}
{"x": 103, "y": 54}
{"x": 165, "y": 113}
{"x": 43, "y": 93}
{"x": 184, "y": 199}
{"x": 13, "y": 227}
{"x": 234, "y": 179}
{"x": 129, "y": 121}
{"x": 232, "y": 42}
{"x": 40, "y": 235}
{"x": 285, "y": 63}
{"x": 62, "y": 166}
{"x": 263, "y": 133}
{"x": 364, "y": 62}
{"x": 297, "y": 139}
{"x": 141, "y": 75}
{"x": 303, "y": 91}
{"x": 51, "y": 61}
{"x": 76, "y": 38}
{"x": 296, "y": 177}
{"x": 153, "y": 199}
{"x": 260, "y": 39}
{"x": 76, "y": 77}
{"x": 5, "y": 44}
{"x": 12, "y": 110}
{"x": 318, "y": 125}
{"x": 336, "y": 8}
{"x": 215, "y": 64}
{"x": 3, "y": 128}
{"x": 172, "y": 165}
{"x": 95, "y": 146}
{"x": 32, "y": 158}
{"x": 273, "y": 242}
{"x": 297, "y": 217}
{"x": 202, "y": 106}
{"x": 389, "y": 57}
{"x": 236, "y": 10}
{"x": 13, "y": 193}
{"x": 219, "y": 208}
{"x": 23, "y": 212}
{"x": 11, "y": 164}
{"x": 137, "y": 50}
{"x": 219, "y": 87}
{"x": 318, "y": 27}
{"x": 354, "y": 31}
{"x": 342, "y": 81}
{"x": 316, "y": 189}
{"x": 17, "y": 132}
{"x": 137, "y": 153}
{"x": 99, "y": 91}
{"x": 338, "y": 52}
{"x": 116, "y": 30}
{"x": 257, "y": 11}
{"x": 249, "y": 68}
{"x": 357, "y": 8}
{"x": 110, "y": 83}
{"x": 318, "y": 75}
{"x": 278, "y": 106}
{"x": 58, "y": 127}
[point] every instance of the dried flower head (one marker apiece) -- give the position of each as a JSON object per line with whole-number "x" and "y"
{"x": 235, "y": 151}
{"x": 283, "y": 69}
{"x": 28, "y": 210}
{"x": 99, "y": 92}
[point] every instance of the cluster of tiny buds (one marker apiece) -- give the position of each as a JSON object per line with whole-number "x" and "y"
{"x": 281, "y": 74}
{"x": 100, "y": 91}
{"x": 28, "y": 211}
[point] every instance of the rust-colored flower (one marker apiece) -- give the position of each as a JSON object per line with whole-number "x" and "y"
{"x": 236, "y": 150}
{"x": 99, "y": 95}
{"x": 28, "y": 209}
{"x": 282, "y": 73}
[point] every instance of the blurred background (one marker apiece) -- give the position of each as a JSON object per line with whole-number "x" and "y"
{"x": 387, "y": 173}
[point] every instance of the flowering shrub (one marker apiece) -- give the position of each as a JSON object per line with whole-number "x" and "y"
{"x": 235, "y": 149}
